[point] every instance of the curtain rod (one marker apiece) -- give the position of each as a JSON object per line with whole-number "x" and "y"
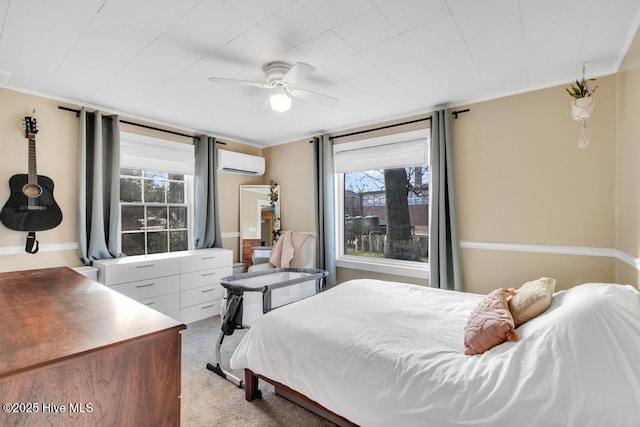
{"x": 455, "y": 114}
{"x": 141, "y": 125}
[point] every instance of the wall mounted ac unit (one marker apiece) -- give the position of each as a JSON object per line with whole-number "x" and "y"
{"x": 232, "y": 161}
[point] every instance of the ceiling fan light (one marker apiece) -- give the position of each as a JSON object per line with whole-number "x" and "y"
{"x": 280, "y": 102}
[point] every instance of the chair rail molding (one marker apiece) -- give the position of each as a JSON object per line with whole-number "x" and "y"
{"x": 44, "y": 247}
{"x": 618, "y": 254}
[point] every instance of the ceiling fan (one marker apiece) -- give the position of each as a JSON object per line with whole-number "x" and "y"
{"x": 282, "y": 79}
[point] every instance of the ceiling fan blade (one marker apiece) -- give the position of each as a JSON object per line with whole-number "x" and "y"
{"x": 315, "y": 97}
{"x": 240, "y": 82}
{"x": 299, "y": 71}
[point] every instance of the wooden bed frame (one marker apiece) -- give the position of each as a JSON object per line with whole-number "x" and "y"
{"x": 252, "y": 392}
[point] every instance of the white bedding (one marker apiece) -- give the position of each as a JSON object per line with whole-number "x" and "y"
{"x": 391, "y": 354}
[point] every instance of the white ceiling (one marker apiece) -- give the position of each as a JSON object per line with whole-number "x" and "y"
{"x": 384, "y": 59}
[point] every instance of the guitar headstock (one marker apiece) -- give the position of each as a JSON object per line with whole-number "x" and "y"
{"x": 30, "y": 126}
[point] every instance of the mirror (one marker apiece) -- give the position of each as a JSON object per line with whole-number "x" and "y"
{"x": 259, "y": 217}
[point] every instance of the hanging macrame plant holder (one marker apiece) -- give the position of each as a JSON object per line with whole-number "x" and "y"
{"x": 581, "y": 110}
{"x": 583, "y": 105}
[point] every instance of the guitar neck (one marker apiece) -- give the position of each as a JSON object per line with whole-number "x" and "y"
{"x": 33, "y": 173}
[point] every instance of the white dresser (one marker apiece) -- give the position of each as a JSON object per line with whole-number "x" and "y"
{"x": 183, "y": 285}
{"x": 200, "y": 289}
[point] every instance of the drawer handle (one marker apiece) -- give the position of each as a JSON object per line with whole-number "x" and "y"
{"x": 145, "y": 285}
{"x": 149, "y": 303}
{"x": 207, "y": 306}
{"x": 145, "y": 266}
{"x": 208, "y": 257}
{"x": 207, "y": 290}
{"x": 208, "y": 274}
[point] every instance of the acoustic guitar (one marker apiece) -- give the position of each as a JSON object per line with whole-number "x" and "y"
{"x": 31, "y": 206}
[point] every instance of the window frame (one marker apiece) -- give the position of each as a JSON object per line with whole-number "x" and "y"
{"x": 171, "y": 157}
{"x": 379, "y": 265}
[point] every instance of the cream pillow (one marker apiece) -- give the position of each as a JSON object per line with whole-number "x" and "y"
{"x": 531, "y": 299}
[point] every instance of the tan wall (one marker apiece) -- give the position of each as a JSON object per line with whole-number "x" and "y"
{"x": 57, "y": 147}
{"x": 487, "y": 270}
{"x": 521, "y": 178}
{"x": 627, "y": 166}
{"x": 291, "y": 166}
{"x": 627, "y": 274}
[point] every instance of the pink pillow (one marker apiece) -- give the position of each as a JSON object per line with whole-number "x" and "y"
{"x": 490, "y": 323}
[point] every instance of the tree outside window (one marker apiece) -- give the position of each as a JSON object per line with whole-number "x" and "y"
{"x": 386, "y": 213}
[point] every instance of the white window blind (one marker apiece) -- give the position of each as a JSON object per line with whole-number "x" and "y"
{"x": 145, "y": 152}
{"x": 392, "y": 151}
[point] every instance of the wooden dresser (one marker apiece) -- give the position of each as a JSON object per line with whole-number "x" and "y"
{"x": 74, "y": 352}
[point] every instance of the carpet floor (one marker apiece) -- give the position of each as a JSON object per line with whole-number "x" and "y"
{"x": 210, "y": 400}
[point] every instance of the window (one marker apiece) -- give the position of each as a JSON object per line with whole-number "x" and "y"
{"x": 153, "y": 212}
{"x": 383, "y": 203}
{"x": 156, "y": 190}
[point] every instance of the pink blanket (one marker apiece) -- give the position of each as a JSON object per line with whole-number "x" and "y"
{"x": 286, "y": 248}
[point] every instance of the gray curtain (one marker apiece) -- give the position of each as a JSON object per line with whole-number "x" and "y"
{"x": 324, "y": 205}
{"x": 206, "y": 227}
{"x": 98, "y": 186}
{"x": 444, "y": 257}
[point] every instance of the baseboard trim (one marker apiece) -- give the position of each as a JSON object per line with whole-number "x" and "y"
{"x": 618, "y": 254}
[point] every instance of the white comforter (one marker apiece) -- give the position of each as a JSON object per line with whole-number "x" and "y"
{"x": 391, "y": 354}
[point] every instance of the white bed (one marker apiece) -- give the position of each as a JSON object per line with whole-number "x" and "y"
{"x": 381, "y": 354}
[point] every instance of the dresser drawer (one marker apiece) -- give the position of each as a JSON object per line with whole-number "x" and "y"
{"x": 149, "y": 288}
{"x": 200, "y": 295}
{"x": 163, "y": 303}
{"x": 125, "y": 270}
{"x": 204, "y": 277}
{"x": 200, "y": 311}
{"x": 205, "y": 259}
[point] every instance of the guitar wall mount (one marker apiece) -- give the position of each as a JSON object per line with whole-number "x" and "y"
{"x": 32, "y": 245}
